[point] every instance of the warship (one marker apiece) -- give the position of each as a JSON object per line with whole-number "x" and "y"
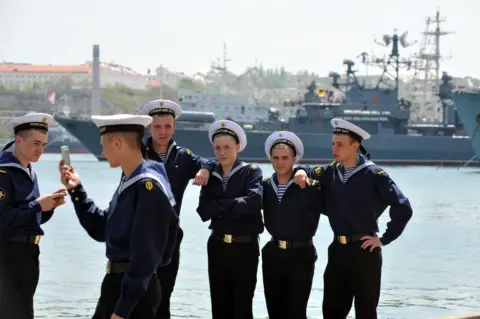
{"x": 395, "y": 138}
{"x": 468, "y": 109}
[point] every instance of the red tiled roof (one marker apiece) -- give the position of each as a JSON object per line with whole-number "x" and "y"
{"x": 45, "y": 68}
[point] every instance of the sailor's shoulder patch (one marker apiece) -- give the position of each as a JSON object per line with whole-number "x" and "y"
{"x": 2, "y": 171}
{"x": 3, "y": 194}
{"x": 378, "y": 171}
{"x": 254, "y": 166}
{"x": 333, "y": 163}
{"x": 148, "y": 185}
{"x": 318, "y": 170}
{"x": 188, "y": 151}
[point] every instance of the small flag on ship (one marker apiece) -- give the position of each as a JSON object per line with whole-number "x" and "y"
{"x": 321, "y": 92}
{"x": 52, "y": 97}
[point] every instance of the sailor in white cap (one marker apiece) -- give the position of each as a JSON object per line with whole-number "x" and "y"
{"x": 232, "y": 202}
{"x": 356, "y": 194}
{"x": 291, "y": 216}
{"x": 139, "y": 227}
{"x": 182, "y": 166}
{"x": 22, "y": 211}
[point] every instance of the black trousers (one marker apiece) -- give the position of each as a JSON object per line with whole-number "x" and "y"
{"x": 146, "y": 308}
{"x": 19, "y": 273}
{"x": 287, "y": 280}
{"x": 352, "y": 273}
{"x": 232, "y": 272}
{"x": 167, "y": 275}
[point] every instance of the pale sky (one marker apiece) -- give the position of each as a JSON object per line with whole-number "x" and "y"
{"x": 187, "y": 35}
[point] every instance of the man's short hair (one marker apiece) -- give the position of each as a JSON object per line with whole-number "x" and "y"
{"x": 132, "y": 139}
{"x": 27, "y": 133}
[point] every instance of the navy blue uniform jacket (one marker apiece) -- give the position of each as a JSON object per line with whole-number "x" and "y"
{"x": 237, "y": 210}
{"x": 139, "y": 226}
{"x": 354, "y": 207}
{"x": 296, "y": 216}
{"x": 20, "y": 212}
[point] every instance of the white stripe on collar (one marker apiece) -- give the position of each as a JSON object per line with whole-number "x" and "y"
{"x": 135, "y": 179}
{"x": 30, "y": 173}
{"x": 356, "y": 170}
{"x": 233, "y": 171}
{"x": 275, "y": 187}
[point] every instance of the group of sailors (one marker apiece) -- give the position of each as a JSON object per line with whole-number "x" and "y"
{"x": 141, "y": 228}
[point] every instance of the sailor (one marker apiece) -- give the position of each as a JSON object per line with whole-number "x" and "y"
{"x": 232, "y": 202}
{"x": 182, "y": 166}
{"x": 139, "y": 226}
{"x": 356, "y": 193}
{"x": 291, "y": 216}
{"x": 22, "y": 211}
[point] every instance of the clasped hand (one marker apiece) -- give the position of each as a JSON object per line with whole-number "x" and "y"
{"x": 301, "y": 178}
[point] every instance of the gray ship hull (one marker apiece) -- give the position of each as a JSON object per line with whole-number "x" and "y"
{"x": 385, "y": 149}
{"x": 468, "y": 108}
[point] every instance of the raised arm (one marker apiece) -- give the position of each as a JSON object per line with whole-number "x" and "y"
{"x": 196, "y": 163}
{"x": 92, "y": 218}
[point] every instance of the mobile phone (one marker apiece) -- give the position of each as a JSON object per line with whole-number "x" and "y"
{"x": 66, "y": 155}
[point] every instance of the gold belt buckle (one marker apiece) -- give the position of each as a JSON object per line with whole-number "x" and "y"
{"x": 282, "y": 244}
{"x": 227, "y": 238}
{"x": 108, "y": 267}
{"x": 342, "y": 239}
{"x": 37, "y": 239}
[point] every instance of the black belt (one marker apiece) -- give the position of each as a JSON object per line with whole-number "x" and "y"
{"x": 345, "y": 239}
{"x": 30, "y": 239}
{"x": 117, "y": 267}
{"x": 286, "y": 244}
{"x": 228, "y": 238}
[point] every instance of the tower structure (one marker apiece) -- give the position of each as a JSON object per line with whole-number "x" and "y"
{"x": 424, "y": 86}
{"x": 95, "y": 95}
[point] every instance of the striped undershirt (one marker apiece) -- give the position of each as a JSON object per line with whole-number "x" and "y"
{"x": 348, "y": 172}
{"x": 163, "y": 157}
{"x": 281, "y": 188}
{"x": 225, "y": 182}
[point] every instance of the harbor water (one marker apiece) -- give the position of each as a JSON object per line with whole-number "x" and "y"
{"x": 432, "y": 270}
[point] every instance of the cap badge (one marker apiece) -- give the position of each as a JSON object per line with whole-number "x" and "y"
{"x": 44, "y": 119}
{"x": 161, "y": 103}
{"x": 223, "y": 125}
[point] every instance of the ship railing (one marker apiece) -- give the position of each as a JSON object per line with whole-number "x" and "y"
{"x": 367, "y": 112}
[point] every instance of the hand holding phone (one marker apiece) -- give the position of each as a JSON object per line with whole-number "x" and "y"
{"x": 66, "y": 156}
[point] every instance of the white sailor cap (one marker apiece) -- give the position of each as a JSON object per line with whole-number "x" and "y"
{"x": 344, "y": 127}
{"x": 229, "y": 128}
{"x": 288, "y": 138}
{"x": 40, "y": 121}
{"x": 158, "y": 107}
{"x": 121, "y": 123}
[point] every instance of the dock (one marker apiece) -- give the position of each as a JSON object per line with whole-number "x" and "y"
{"x": 465, "y": 316}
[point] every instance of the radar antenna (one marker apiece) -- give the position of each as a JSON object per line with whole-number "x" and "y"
{"x": 351, "y": 79}
{"x": 392, "y": 64}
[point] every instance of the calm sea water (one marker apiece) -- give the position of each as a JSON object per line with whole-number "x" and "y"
{"x": 432, "y": 270}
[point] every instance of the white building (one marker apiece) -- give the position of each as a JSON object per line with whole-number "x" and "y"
{"x": 27, "y": 75}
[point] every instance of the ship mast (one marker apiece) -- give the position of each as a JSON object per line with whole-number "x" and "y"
{"x": 392, "y": 64}
{"x": 221, "y": 67}
{"x": 424, "y": 87}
